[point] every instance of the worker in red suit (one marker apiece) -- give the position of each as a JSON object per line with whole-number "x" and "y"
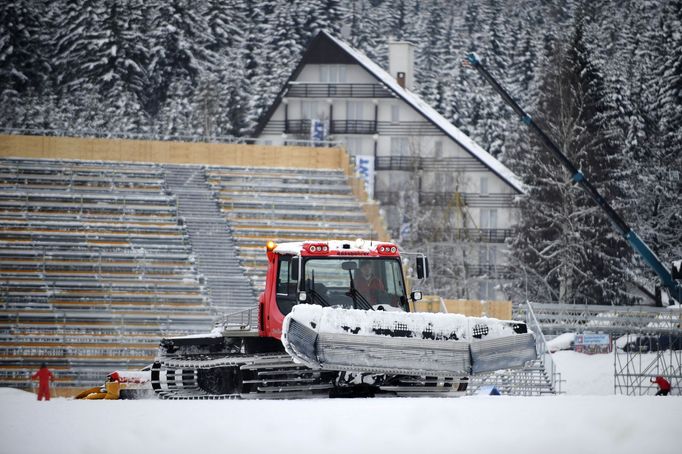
{"x": 44, "y": 377}
{"x": 663, "y": 385}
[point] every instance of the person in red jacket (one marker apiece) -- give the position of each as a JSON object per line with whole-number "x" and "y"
{"x": 367, "y": 282}
{"x": 663, "y": 385}
{"x": 44, "y": 377}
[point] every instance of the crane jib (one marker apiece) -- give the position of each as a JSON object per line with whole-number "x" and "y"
{"x": 578, "y": 177}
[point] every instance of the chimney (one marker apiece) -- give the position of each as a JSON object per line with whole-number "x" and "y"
{"x": 401, "y": 62}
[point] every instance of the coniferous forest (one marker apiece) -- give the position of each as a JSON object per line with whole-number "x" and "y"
{"x": 603, "y": 77}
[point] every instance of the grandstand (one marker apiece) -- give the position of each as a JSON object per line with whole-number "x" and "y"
{"x": 100, "y": 259}
{"x": 282, "y": 205}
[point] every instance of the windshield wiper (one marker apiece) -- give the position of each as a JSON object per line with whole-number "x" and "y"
{"x": 357, "y": 296}
{"x": 314, "y": 294}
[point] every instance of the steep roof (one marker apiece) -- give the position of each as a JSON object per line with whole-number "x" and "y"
{"x": 325, "y": 48}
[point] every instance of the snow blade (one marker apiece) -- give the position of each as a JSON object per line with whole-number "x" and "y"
{"x": 394, "y": 342}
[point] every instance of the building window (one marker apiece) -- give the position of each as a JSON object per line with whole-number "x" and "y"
{"x": 487, "y": 255}
{"x": 438, "y": 149}
{"x": 443, "y": 182}
{"x": 484, "y": 186}
{"x": 354, "y": 145}
{"x": 439, "y": 181}
{"x": 309, "y": 110}
{"x": 333, "y": 74}
{"x": 488, "y": 218}
{"x": 355, "y": 110}
{"x": 486, "y": 290}
{"x": 399, "y": 146}
{"x": 395, "y": 113}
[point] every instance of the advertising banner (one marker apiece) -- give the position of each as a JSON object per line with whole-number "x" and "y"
{"x": 592, "y": 343}
{"x": 364, "y": 165}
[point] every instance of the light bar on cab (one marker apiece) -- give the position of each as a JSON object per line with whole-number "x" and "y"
{"x": 317, "y": 248}
{"x": 387, "y": 249}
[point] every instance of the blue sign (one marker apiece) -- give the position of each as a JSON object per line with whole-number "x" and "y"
{"x": 317, "y": 131}
{"x": 364, "y": 166}
{"x": 592, "y": 343}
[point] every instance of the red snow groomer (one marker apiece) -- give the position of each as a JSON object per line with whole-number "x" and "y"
{"x": 335, "y": 320}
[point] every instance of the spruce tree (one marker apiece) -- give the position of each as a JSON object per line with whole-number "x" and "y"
{"x": 23, "y": 65}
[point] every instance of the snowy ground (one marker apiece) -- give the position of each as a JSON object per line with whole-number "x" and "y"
{"x": 588, "y": 419}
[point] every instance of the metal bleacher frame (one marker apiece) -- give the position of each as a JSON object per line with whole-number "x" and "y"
{"x": 94, "y": 269}
{"x": 646, "y": 340}
{"x": 537, "y": 378}
{"x": 284, "y": 204}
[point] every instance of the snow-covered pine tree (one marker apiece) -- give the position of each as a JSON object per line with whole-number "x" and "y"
{"x": 225, "y": 20}
{"x": 363, "y": 27}
{"x": 23, "y": 65}
{"x": 257, "y": 67}
{"x": 564, "y": 240}
{"x": 179, "y": 53}
{"x": 431, "y": 55}
{"x": 666, "y": 143}
{"x": 319, "y": 15}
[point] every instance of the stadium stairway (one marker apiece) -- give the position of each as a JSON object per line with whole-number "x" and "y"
{"x": 531, "y": 380}
{"x": 214, "y": 249}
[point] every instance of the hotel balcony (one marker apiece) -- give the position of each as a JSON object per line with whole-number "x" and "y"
{"x": 339, "y": 90}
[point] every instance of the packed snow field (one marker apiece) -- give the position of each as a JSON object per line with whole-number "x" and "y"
{"x": 587, "y": 419}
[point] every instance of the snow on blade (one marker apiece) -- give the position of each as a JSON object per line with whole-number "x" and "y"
{"x": 399, "y": 342}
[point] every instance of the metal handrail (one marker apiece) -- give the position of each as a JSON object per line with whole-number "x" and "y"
{"x": 245, "y": 319}
{"x": 544, "y": 354}
{"x": 430, "y": 198}
{"x": 337, "y": 90}
{"x": 431, "y": 163}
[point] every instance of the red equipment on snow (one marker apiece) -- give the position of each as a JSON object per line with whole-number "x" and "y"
{"x": 322, "y": 331}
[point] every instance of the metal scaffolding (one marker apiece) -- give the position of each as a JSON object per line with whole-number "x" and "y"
{"x": 557, "y": 319}
{"x": 642, "y": 357}
{"x": 537, "y": 378}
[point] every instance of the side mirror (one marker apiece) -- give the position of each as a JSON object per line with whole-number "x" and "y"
{"x": 422, "y": 267}
{"x": 416, "y": 296}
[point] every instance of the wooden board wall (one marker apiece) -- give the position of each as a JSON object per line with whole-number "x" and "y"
{"x": 43, "y": 147}
{"x": 219, "y": 154}
{"x": 472, "y": 308}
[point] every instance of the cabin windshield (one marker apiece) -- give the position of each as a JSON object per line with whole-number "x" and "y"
{"x": 355, "y": 282}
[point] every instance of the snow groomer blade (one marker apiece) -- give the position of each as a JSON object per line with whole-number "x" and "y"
{"x": 395, "y": 342}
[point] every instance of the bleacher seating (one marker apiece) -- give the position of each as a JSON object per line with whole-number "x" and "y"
{"x": 283, "y": 204}
{"x": 94, "y": 269}
{"x": 98, "y": 260}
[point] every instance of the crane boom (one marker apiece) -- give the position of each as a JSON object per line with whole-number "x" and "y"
{"x": 577, "y": 177}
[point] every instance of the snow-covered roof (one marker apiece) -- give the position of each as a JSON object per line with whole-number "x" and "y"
{"x": 431, "y": 114}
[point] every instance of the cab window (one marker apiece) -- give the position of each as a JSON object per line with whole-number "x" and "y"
{"x": 286, "y": 284}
